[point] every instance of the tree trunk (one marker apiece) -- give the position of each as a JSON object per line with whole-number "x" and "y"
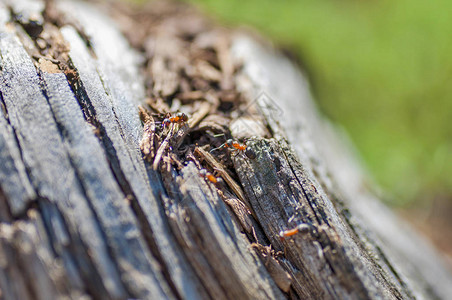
{"x": 86, "y": 214}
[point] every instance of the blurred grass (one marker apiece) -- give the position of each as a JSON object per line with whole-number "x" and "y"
{"x": 382, "y": 69}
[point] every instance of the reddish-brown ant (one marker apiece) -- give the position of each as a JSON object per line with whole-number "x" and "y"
{"x": 209, "y": 176}
{"x": 179, "y": 118}
{"x": 301, "y": 228}
{"x": 238, "y": 148}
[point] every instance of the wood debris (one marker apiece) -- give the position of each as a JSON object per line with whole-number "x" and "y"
{"x": 188, "y": 70}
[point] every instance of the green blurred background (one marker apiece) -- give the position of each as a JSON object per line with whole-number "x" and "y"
{"x": 382, "y": 69}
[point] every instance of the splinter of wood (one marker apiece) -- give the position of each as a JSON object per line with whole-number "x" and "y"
{"x": 162, "y": 148}
{"x": 228, "y": 179}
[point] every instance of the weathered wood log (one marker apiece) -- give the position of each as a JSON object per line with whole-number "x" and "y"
{"x": 85, "y": 214}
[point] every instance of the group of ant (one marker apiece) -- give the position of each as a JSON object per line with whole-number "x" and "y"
{"x": 181, "y": 119}
{"x": 236, "y": 148}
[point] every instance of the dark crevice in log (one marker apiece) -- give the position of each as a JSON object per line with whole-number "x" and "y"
{"x": 6, "y": 115}
{"x": 89, "y": 113}
{"x": 3, "y": 108}
{"x": 5, "y": 211}
{"x": 32, "y": 27}
{"x": 80, "y": 94}
{"x": 24, "y": 215}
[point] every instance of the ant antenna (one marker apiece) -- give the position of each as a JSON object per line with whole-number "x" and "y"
{"x": 217, "y": 147}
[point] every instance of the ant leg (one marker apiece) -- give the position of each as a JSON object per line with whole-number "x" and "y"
{"x": 217, "y": 173}
{"x": 221, "y": 146}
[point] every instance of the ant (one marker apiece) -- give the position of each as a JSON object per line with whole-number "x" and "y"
{"x": 209, "y": 176}
{"x": 238, "y": 148}
{"x": 301, "y": 228}
{"x": 179, "y": 118}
